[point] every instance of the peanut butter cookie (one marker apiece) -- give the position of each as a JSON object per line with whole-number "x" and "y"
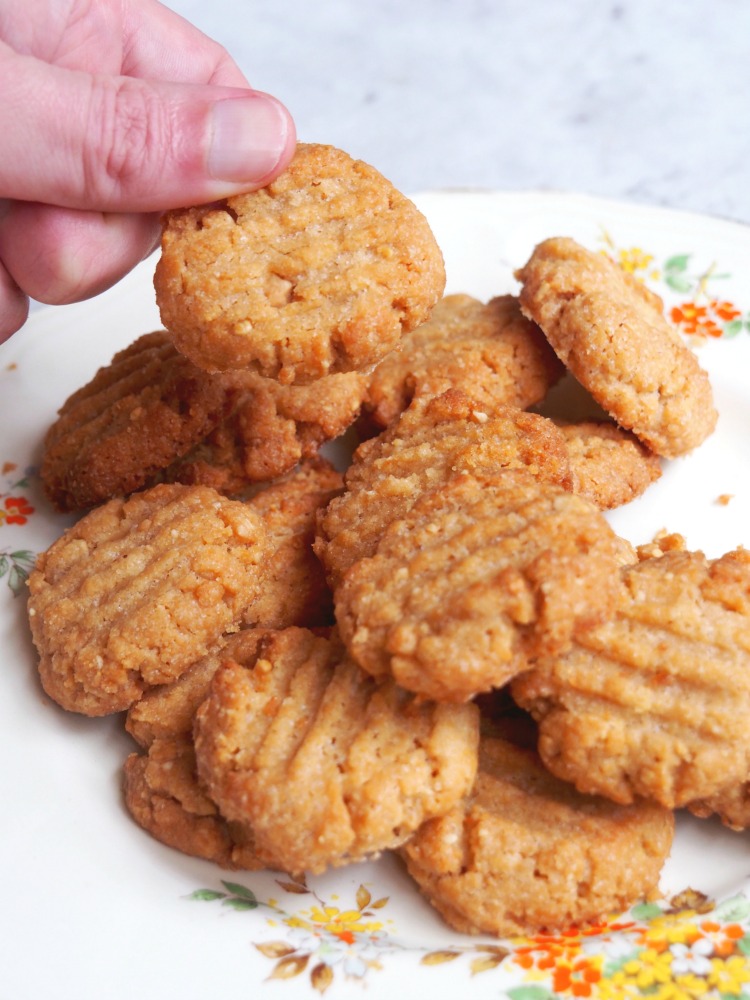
{"x": 655, "y": 702}
{"x": 479, "y": 578}
{"x": 323, "y": 763}
{"x": 168, "y": 711}
{"x": 320, "y": 272}
{"x": 610, "y": 331}
{"x": 609, "y": 466}
{"x": 489, "y": 351}
{"x": 165, "y": 797}
{"x": 433, "y": 440}
{"x": 138, "y": 590}
{"x": 270, "y": 430}
{"x": 295, "y": 591}
{"x": 145, "y": 409}
{"x": 525, "y": 853}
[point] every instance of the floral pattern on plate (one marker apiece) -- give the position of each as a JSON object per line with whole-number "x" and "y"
{"x": 702, "y": 314}
{"x": 686, "y": 948}
{"x": 15, "y": 509}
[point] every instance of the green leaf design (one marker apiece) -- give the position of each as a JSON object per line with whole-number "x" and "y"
{"x": 679, "y": 262}
{"x": 678, "y": 283}
{"x": 530, "y": 993}
{"x": 206, "y": 895}
{"x": 732, "y": 328}
{"x": 17, "y": 580}
{"x": 734, "y": 910}
{"x": 4, "y": 564}
{"x": 240, "y": 890}
{"x": 646, "y": 911}
{"x": 240, "y": 904}
{"x": 743, "y": 945}
{"x": 24, "y": 556}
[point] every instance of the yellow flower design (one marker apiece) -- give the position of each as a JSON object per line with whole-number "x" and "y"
{"x": 345, "y": 924}
{"x": 636, "y": 261}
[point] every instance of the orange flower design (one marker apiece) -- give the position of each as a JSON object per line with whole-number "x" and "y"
{"x": 17, "y": 510}
{"x": 707, "y": 320}
{"x": 577, "y": 978}
{"x": 725, "y": 310}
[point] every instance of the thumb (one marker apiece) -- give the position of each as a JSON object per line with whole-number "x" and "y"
{"x": 122, "y": 144}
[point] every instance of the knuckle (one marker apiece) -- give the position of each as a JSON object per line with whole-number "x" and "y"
{"x": 134, "y": 136}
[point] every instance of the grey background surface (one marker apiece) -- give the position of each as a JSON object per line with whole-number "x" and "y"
{"x": 638, "y": 100}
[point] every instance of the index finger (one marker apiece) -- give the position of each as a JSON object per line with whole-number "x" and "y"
{"x": 159, "y": 44}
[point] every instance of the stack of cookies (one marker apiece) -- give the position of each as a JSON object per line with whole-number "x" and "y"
{"x": 445, "y": 652}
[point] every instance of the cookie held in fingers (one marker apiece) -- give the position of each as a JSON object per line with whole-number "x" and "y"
{"x": 488, "y": 350}
{"x": 434, "y": 440}
{"x": 326, "y": 765}
{"x": 143, "y": 410}
{"x": 610, "y": 331}
{"x": 478, "y": 579}
{"x": 654, "y": 703}
{"x": 139, "y": 590}
{"x": 321, "y": 271}
{"x": 525, "y": 853}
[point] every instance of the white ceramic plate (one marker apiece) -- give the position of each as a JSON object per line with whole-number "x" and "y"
{"x": 93, "y": 908}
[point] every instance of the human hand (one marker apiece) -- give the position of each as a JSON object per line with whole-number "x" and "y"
{"x": 113, "y": 111}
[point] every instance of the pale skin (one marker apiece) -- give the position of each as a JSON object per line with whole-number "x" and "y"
{"x": 113, "y": 111}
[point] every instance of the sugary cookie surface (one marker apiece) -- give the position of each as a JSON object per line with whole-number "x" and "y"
{"x": 326, "y": 765}
{"x": 654, "y": 702}
{"x": 433, "y": 440}
{"x": 525, "y": 852}
{"x": 480, "y": 577}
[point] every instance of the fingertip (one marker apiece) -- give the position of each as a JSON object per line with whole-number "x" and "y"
{"x": 252, "y": 139}
{"x": 14, "y": 306}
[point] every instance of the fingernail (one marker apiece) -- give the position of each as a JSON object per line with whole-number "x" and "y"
{"x": 248, "y": 138}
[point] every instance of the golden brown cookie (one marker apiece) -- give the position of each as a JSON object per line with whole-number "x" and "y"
{"x": 162, "y": 789}
{"x": 139, "y": 590}
{"x": 609, "y": 466}
{"x": 142, "y": 411}
{"x": 489, "y": 351}
{"x": 295, "y": 591}
{"x": 271, "y": 428}
{"x": 433, "y": 440}
{"x": 611, "y": 333}
{"x": 731, "y": 805}
{"x": 655, "y": 702}
{"x": 321, "y": 271}
{"x": 323, "y": 763}
{"x": 168, "y": 711}
{"x": 526, "y": 853}
{"x": 478, "y": 579}
{"x": 164, "y": 796}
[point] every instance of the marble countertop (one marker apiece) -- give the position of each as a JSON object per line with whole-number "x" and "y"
{"x": 627, "y": 99}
